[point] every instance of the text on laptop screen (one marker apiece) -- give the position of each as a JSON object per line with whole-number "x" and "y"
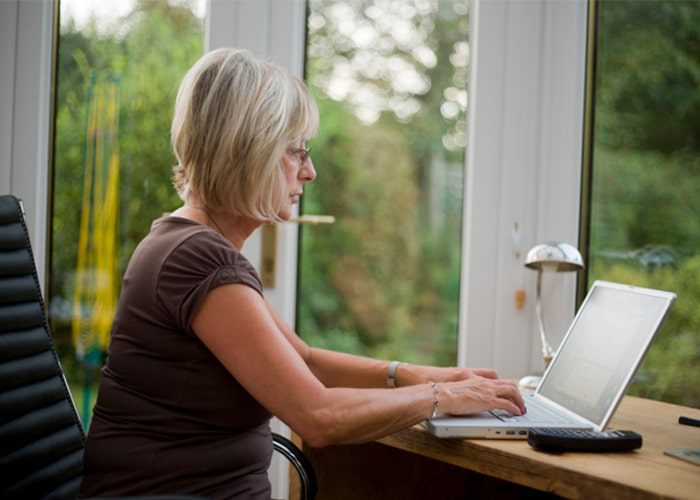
{"x": 606, "y": 341}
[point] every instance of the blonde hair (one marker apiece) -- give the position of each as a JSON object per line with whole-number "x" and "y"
{"x": 235, "y": 116}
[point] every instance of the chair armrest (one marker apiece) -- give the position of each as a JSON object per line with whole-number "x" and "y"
{"x": 296, "y": 457}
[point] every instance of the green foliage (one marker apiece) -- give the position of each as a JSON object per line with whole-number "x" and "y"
{"x": 375, "y": 206}
{"x": 384, "y": 279}
{"x": 645, "y": 197}
{"x": 649, "y": 75}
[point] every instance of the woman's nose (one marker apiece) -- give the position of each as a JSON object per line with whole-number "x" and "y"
{"x": 308, "y": 172}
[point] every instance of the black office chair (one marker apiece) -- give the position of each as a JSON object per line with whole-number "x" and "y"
{"x": 41, "y": 436}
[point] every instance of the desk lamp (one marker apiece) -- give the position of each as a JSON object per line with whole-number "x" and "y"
{"x": 549, "y": 257}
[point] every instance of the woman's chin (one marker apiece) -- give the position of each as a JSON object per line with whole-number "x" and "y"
{"x": 285, "y": 214}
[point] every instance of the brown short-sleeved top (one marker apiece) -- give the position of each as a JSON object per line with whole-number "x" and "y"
{"x": 169, "y": 417}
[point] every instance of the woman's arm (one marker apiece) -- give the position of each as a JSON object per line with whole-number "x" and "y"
{"x": 236, "y": 325}
{"x": 335, "y": 369}
{"x": 339, "y": 369}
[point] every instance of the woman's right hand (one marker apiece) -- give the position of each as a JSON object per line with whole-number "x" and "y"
{"x": 480, "y": 394}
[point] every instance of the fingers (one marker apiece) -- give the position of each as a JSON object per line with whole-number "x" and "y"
{"x": 513, "y": 395}
{"x": 507, "y": 391}
{"x": 483, "y": 394}
{"x": 508, "y": 405}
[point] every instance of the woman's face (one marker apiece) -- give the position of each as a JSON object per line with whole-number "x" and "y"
{"x": 298, "y": 170}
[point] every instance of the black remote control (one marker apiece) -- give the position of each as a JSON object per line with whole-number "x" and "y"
{"x": 554, "y": 439}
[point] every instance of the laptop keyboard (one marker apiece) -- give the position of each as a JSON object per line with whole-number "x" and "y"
{"x": 535, "y": 413}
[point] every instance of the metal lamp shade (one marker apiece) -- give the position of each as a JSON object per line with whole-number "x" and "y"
{"x": 559, "y": 257}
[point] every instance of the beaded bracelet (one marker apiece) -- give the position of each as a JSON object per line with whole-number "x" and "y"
{"x": 436, "y": 399}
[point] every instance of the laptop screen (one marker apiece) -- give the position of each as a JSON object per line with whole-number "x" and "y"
{"x": 603, "y": 347}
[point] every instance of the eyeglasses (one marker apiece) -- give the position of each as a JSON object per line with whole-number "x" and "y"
{"x": 301, "y": 153}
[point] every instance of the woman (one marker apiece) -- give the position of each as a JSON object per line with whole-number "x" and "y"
{"x": 199, "y": 361}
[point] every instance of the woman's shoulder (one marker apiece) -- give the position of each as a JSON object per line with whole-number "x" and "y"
{"x": 200, "y": 249}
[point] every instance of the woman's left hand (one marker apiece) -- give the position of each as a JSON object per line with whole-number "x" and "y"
{"x": 409, "y": 374}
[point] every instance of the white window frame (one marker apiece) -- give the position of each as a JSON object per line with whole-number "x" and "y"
{"x": 524, "y": 157}
{"x": 26, "y": 66}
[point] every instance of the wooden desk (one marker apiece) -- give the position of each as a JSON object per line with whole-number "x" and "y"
{"x": 414, "y": 464}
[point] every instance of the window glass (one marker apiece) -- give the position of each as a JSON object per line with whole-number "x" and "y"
{"x": 390, "y": 79}
{"x": 645, "y": 207}
{"x": 119, "y": 64}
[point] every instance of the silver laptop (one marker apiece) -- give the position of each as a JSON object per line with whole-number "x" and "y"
{"x": 590, "y": 373}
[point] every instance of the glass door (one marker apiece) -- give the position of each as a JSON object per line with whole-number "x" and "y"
{"x": 645, "y": 176}
{"x": 390, "y": 79}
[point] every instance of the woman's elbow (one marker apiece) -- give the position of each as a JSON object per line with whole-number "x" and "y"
{"x": 318, "y": 431}
{"x": 316, "y": 438}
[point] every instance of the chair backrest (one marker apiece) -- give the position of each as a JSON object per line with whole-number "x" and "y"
{"x": 41, "y": 437}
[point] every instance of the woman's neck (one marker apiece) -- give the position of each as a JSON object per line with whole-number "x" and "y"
{"x": 234, "y": 228}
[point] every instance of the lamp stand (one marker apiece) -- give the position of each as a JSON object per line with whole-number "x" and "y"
{"x": 547, "y": 351}
{"x": 530, "y": 382}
